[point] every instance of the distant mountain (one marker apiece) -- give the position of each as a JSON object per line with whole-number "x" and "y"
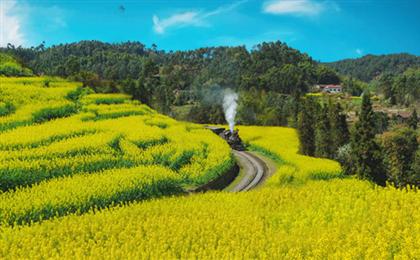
{"x": 368, "y": 67}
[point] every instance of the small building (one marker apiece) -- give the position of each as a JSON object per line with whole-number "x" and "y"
{"x": 333, "y": 89}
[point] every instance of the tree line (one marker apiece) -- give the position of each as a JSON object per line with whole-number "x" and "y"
{"x": 392, "y": 156}
{"x": 402, "y": 89}
{"x": 165, "y": 80}
{"x": 369, "y": 67}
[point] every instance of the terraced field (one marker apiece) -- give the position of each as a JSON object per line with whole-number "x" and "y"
{"x": 91, "y": 171}
{"x": 64, "y": 150}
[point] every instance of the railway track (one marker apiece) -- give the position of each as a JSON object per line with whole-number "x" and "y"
{"x": 253, "y": 168}
{"x": 254, "y": 171}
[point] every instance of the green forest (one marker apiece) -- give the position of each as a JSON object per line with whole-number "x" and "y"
{"x": 186, "y": 84}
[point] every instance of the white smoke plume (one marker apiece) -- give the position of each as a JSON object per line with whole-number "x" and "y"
{"x": 230, "y": 103}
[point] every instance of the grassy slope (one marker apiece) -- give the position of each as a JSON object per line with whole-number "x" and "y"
{"x": 10, "y": 67}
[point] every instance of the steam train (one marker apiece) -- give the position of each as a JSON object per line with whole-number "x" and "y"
{"x": 231, "y": 137}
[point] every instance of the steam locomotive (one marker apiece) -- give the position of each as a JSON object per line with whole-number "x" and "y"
{"x": 231, "y": 137}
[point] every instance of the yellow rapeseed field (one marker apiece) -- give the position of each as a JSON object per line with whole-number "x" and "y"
{"x": 108, "y": 150}
{"x": 86, "y": 191}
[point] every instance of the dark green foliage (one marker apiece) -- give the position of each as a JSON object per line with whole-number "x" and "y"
{"x": 353, "y": 86}
{"x": 266, "y": 108}
{"x": 381, "y": 122}
{"x": 148, "y": 80}
{"x": 78, "y": 93}
{"x": 322, "y": 131}
{"x": 323, "y": 138}
{"x": 415, "y": 169}
{"x": 385, "y": 86}
{"x": 340, "y": 134}
{"x": 207, "y": 113}
{"x": 371, "y": 66}
{"x": 286, "y": 79}
{"x": 181, "y": 160}
{"x": 327, "y": 75}
{"x": 113, "y": 115}
{"x": 150, "y": 143}
{"x": 413, "y": 120}
{"x": 110, "y": 100}
{"x": 89, "y": 79}
{"x": 115, "y": 145}
{"x": 400, "y": 147}
{"x": 306, "y": 126}
{"x": 47, "y": 114}
{"x": 7, "y": 109}
{"x": 365, "y": 149}
{"x": 164, "y": 80}
{"x": 248, "y": 108}
{"x": 401, "y": 88}
{"x": 160, "y": 124}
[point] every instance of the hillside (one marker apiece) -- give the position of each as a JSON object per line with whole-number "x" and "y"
{"x": 104, "y": 149}
{"x": 77, "y": 168}
{"x": 9, "y": 66}
{"x": 187, "y": 84}
{"x": 369, "y": 67}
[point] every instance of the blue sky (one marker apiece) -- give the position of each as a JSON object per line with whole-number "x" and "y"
{"x": 325, "y": 29}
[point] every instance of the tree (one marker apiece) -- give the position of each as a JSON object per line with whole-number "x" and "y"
{"x": 386, "y": 87}
{"x": 400, "y": 148}
{"x": 247, "y": 108}
{"x": 72, "y": 65}
{"x": 323, "y": 139}
{"x": 340, "y": 134}
{"x": 366, "y": 151}
{"x": 369, "y": 67}
{"x": 306, "y": 127}
{"x": 88, "y": 79}
{"x": 415, "y": 169}
{"x": 353, "y": 87}
{"x": 327, "y": 75}
{"x": 148, "y": 82}
{"x": 413, "y": 120}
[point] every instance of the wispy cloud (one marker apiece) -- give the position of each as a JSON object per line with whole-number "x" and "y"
{"x": 179, "y": 19}
{"x": 189, "y": 18}
{"x": 297, "y": 7}
{"x": 11, "y": 24}
{"x": 359, "y": 51}
{"x": 19, "y": 19}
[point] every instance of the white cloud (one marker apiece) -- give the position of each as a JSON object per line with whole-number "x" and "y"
{"x": 190, "y": 18}
{"x": 359, "y": 51}
{"x": 11, "y": 24}
{"x": 180, "y": 19}
{"x": 296, "y": 7}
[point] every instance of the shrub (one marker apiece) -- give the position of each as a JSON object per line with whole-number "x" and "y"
{"x": 78, "y": 93}
{"x": 400, "y": 149}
